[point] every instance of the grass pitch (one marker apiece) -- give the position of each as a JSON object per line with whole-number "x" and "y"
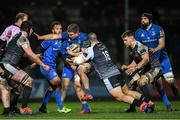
{"x": 100, "y": 110}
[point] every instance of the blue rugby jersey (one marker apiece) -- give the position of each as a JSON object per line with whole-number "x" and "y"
{"x": 150, "y": 38}
{"x": 52, "y": 52}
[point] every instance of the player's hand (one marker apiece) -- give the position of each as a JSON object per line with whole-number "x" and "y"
{"x": 124, "y": 67}
{"x": 130, "y": 70}
{"x": 46, "y": 68}
{"x": 32, "y": 65}
{"x": 39, "y": 56}
{"x": 36, "y": 35}
{"x": 153, "y": 50}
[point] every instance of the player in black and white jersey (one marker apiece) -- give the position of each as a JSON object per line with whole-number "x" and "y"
{"x": 9, "y": 67}
{"x": 145, "y": 63}
{"x": 113, "y": 79}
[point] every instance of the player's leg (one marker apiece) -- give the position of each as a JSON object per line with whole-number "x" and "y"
{"x": 80, "y": 93}
{"x": 113, "y": 84}
{"x": 155, "y": 75}
{"x": 16, "y": 89}
{"x": 82, "y": 70}
{"x": 18, "y": 75}
{"x": 5, "y": 96}
{"x": 67, "y": 74}
{"x": 169, "y": 76}
{"x": 55, "y": 83}
{"x": 65, "y": 86}
{"x": 162, "y": 92}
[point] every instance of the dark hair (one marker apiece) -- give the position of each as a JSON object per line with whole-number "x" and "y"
{"x": 127, "y": 33}
{"x": 148, "y": 15}
{"x": 55, "y": 23}
{"x": 26, "y": 26}
{"x": 73, "y": 28}
{"x": 20, "y": 16}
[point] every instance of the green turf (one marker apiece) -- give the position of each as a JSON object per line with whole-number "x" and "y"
{"x": 101, "y": 110}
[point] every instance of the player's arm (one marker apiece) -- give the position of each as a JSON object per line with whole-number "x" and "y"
{"x": 88, "y": 54}
{"x": 160, "y": 46}
{"x": 24, "y": 43}
{"x": 161, "y": 40}
{"x": 48, "y": 36}
{"x": 39, "y": 51}
{"x": 74, "y": 54}
{"x": 143, "y": 51}
{"x": 143, "y": 62}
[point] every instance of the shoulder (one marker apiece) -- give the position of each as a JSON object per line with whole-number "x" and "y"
{"x": 139, "y": 31}
{"x": 83, "y": 36}
{"x": 141, "y": 48}
{"x": 64, "y": 35}
{"x": 157, "y": 27}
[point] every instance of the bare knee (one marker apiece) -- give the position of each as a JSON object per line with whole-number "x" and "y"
{"x": 142, "y": 81}
{"x": 77, "y": 85}
{"x": 120, "y": 97}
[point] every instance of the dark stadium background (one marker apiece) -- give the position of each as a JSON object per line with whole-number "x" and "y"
{"x": 106, "y": 18}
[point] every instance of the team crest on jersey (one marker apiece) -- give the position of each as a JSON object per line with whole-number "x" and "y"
{"x": 153, "y": 33}
{"x": 142, "y": 35}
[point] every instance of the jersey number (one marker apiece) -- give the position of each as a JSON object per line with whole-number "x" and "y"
{"x": 106, "y": 55}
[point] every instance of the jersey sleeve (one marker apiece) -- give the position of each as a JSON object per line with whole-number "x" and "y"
{"x": 142, "y": 49}
{"x": 64, "y": 35}
{"x": 137, "y": 35}
{"x": 88, "y": 54}
{"x": 85, "y": 43}
{"x": 6, "y": 35}
{"x": 23, "y": 41}
{"x": 161, "y": 33}
{"x": 45, "y": 44}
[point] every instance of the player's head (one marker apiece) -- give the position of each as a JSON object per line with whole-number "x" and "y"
{"x": 27, "y": 26}
{"x": 56, "y": 27}
{"x": 92, "y": 37}
{"x": 73, "y": 30}
{"x": 21, "y": 17}
{"x": 146, "y": 19}
{"x": 128, "y": 37}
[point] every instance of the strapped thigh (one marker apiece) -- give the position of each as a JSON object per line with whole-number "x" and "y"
{"x": 24, "y": 79}
{"x": 153, "y": 74}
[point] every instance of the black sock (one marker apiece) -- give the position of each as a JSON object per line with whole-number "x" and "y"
{"x": 132, "y": 107}
{"x": 14, "y": 99}
{"x": 136, "y": 103}
{"x": 6, "y": 111}
{"x": 26, "y": 95}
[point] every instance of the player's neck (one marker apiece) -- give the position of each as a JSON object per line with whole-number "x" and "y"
{"x": 149, "y": 26}
{"x": 133, "y": 44}
{"x": 24, "y": 33}
{"x": 17, "y": 24}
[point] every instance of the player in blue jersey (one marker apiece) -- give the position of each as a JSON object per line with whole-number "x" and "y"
{"x": 73, "y": 36}
{"x": 50, "y": 57}
{"x": 153, "y": 36}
